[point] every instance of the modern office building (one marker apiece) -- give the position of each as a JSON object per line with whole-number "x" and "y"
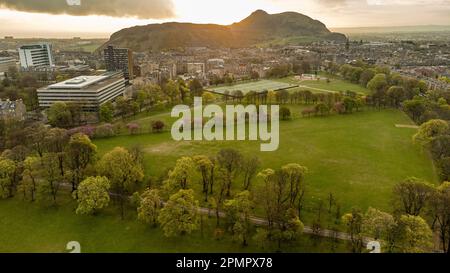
{"x": 6, "y": 63}
{"x": 36, "y": 56}
{"x": 89, "y": 91}
{"x": 119, "y": 59}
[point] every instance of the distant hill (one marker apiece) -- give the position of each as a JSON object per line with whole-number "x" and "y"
{"x": 259, "y": 28}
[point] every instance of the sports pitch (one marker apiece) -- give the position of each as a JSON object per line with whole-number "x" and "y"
{"x": 257, "y": 86}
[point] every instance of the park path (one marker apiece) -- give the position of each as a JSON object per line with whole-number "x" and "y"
{"x": 307, "y": 229}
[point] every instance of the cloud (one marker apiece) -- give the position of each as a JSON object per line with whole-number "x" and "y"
{"x": 143, "y": 9}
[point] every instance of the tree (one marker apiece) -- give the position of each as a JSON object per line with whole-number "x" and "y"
{"x": 205, "y": 167}
{"x": 378, "y": 86}
{"x": 196, "y": 88}
{"x": 7, "y": 170}
{"x": 28, "y": 186}
{"x": 378, "y": 224}
{"x": 55, "y": 142}
{"x": 238, "y": 211}
{"x": 431, "y": 130}
{"x": 149, "y": 207}
{"x": 180, "y": 214}
{"x": 285, "y": 113}
{"x": 172, "y": 90}
{"x": 411, "y": 195}
{"x": 415, "y": 234}
{"x": 440, "y": 209}
{"x": 92, "y": 195}
{"x": 123, "y": 173}
{"x": 80, "y": 153}
{"x": 250, "y": 167}
{"x": 353, "y": 222}
{"x": 59, "y": 115}
{"x": 230, "y": 160}
{"x": 293, "y": 176}
{"x": 181, "y": 176}
{"x": 48, "y": 189}
{"x": 106, "y": 112}
{"x": 415, "y": 108}
{"x": 157, "y": 126}
{"x": 396, "y": 95}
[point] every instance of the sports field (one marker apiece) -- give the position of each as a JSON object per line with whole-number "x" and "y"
{"x": 257, "y": 86}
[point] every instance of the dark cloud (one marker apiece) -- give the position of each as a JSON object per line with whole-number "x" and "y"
{"x": 144, "y": 9}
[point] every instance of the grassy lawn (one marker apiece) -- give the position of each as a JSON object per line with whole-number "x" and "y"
{"x": 358, "y": 157}
{"x": 257, "y": 86}
{"x": 335, "y": 85}
{"x": 26, "y": 227}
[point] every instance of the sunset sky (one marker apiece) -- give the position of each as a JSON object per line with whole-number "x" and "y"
{"x": 100, "y": 18}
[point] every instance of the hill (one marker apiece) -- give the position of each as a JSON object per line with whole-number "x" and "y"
{"x": 259, "y": 27}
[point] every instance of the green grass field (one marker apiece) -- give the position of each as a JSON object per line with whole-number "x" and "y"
{"x": 26, "y": 227}
{"x": 257, "y": 86}
{"x": 357, "y": 157}
{"x": 335, "y": 85}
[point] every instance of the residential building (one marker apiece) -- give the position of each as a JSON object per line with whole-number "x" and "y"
{"x": 119, "y": 59}
{"x": 36, "y": 56}
{"x": 6, "y": 63}
{"x": 12, "y": 109}
{"x": 89, "y": 91}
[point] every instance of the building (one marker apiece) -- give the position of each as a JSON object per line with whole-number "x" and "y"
{"x": 6, "y": 63}
{"x": 12, "y": 109}
{"x": 89, "y": 91}
{"x": 119, "y": 59}
{"x": 196, "y": 69}
{"x": 36, "y": 56}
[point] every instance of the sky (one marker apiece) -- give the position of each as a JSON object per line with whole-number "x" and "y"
{"x": 101, "y": 18}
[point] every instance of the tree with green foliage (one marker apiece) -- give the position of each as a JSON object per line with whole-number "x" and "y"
{"x": 415, "y": 108}
{"x": 396, "y": 95}
{"x": 205, "y": 167}
{"x": 30, "y": 175}
{"x": 59, "y": 115}
{"x": 378, "y": 85}
{"x": 230, "y": 160}
{"x": 238, "y": 212}
{"x": 285, "y": 113}
{"x": 52, "y": 179}
{"x": 431, "y": 130}
{"x": 250, "y": 167}
{"x": 7, "y": 170}
{"x": 415, "y": 235}
{"x": 106, "y": 112}
{"x": 80, "y": 153}
{"x": 440, "y": 208}
{"x": 92, "y": 195}
{"x": 378, "y": 224}
{"x": 411, "y": 195}
{"x": 180, "y": 214}
{"x": 123, "y": 173}
{"x": 353, "y": 222}
{"x": 181, "y": 176}
{"x": 149, "y": 207}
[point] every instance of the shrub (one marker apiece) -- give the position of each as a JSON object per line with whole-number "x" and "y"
{"x": 133, "y": 128}
{"x": 285, "y": 113}
{"x": 86, "y": 130}
{"x": 158, "y": 126}
{"x": 105, "y": 130}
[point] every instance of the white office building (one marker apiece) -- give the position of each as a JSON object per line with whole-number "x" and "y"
{"x": 36, "y": 56}
{"x": 6, "y": 63}
{"x": 89, "y": 91}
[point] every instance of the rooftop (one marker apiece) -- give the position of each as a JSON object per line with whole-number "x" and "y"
{"x": 82, "y": 82}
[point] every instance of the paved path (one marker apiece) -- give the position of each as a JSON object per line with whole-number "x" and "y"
{"x": 308, "y": 230}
